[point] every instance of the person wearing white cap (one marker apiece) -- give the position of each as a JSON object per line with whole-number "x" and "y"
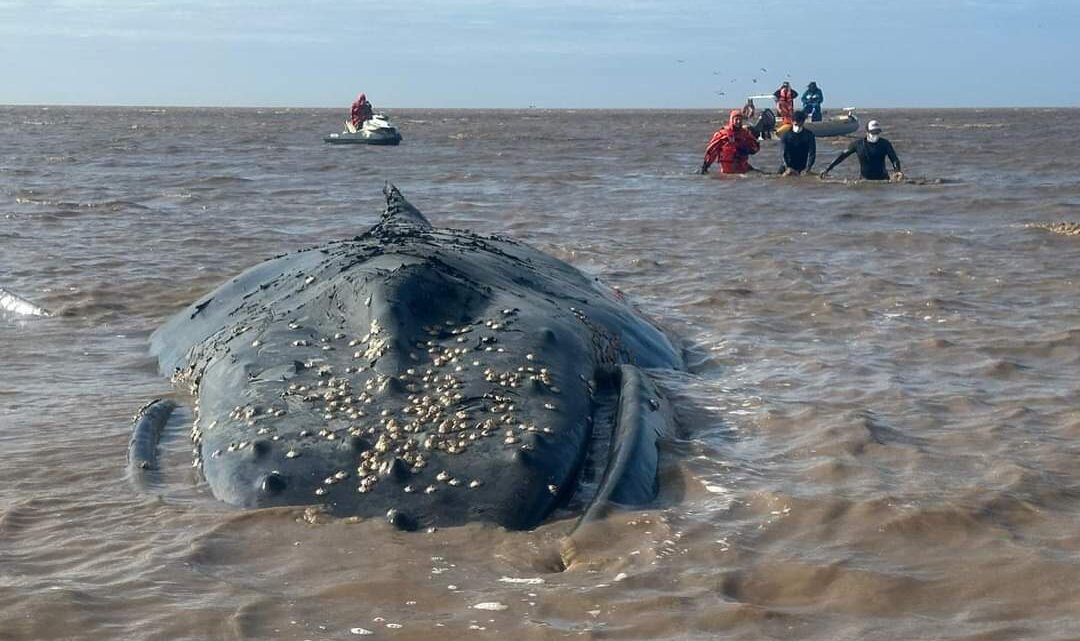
{"x": 872, "y": 152}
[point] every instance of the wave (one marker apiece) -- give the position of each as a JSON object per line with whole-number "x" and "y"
{"x": 111, "y": 205}
{"x": 560, "y": 178}
{"x": 969, "y": 125}
{"x": 13, "y": 304}
{"x": 297, "y": 191}
{"x": 216, "y": 181}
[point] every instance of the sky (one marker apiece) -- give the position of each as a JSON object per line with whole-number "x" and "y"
{"x": 548, "y": 54}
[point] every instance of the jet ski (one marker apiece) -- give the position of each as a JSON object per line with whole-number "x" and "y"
{"x": 377, "y": 130}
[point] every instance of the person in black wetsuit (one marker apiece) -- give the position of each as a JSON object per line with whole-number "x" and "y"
{"x": 800, "y": 147}
{"x": 872, "y": 152}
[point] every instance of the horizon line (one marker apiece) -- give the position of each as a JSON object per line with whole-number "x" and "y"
{"x": 522, "y": 108}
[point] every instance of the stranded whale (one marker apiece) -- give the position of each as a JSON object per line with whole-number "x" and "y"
{"x": 435, "y": 376}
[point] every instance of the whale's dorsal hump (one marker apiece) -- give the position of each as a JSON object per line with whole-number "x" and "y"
{"x": 400, "y": 211}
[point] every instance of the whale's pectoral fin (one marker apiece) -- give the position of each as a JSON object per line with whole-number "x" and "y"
{"x": 146, "y": 431}
{"x": 643, "y": 417}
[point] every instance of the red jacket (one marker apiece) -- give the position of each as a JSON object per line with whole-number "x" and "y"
{"x": 732, "y": 147}
{"x": 785, "y": 102}
{"x": 360, "y": 112}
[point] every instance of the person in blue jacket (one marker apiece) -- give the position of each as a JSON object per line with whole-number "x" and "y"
{"x": 811, "y": 101}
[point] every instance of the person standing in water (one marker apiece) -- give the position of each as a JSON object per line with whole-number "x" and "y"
{"x": 811, "y": 101}
{"x": 731, "y": 146}
{"x": 872, "y": 152}
{"x": 800, "y": 147}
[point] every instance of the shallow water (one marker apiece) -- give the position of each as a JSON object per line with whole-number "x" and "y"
{"x": 880, "y": 433}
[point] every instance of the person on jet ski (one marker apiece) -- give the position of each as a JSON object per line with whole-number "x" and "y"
{"x": 731, "y": 146}
{"x": 811, "y": 101}
{"x": 785, "y": 101}
{"x": 361, "y": 111}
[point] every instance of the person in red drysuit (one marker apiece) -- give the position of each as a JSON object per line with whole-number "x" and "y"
{"x": 361, "y": 111}
{"x": 731, "y": 146}
{"x": 785, "y": 102}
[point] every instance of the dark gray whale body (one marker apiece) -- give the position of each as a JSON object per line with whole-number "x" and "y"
{"x": 435, "y": 376}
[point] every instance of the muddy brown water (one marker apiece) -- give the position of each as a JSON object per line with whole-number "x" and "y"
{"x": 879, "y": 434}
